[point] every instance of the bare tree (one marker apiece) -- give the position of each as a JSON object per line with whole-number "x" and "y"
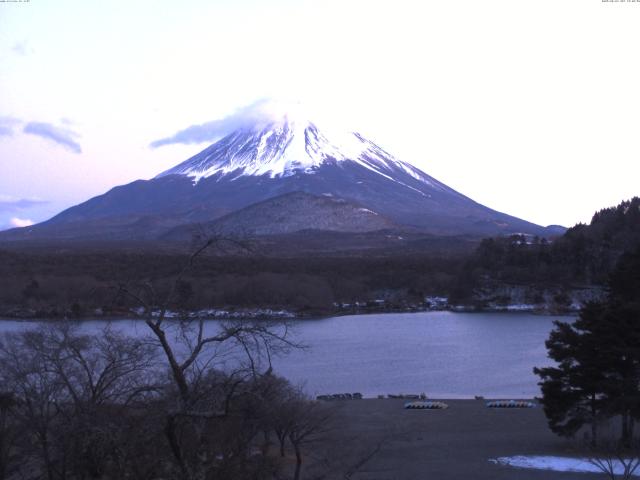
{"x": 209, "y": 365}
{"x": 8, "y": 435}
{"x": 72, "y": 390}
{"x": 298, "y": 420}
{"x": 616, "y": 465}
{"x": 616, "y": 460}
{"x": 26, "y": 375}
{"x": 193, "y": 349}
{"x": 310, "y": 422}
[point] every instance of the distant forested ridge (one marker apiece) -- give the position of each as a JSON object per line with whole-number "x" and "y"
{"x": 582, "y": 258}
{"x": 57, "y": 284}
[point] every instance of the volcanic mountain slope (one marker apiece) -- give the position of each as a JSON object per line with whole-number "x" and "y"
{"x": 270, "y": 159}
{"x": 289, "y": 213}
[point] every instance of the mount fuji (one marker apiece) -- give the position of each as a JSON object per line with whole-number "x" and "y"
{"x": 274, "y": 176}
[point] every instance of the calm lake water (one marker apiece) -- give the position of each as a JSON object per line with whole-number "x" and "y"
{"x": 443, "y": 354}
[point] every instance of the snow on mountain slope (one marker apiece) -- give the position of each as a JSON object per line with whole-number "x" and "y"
{"x": 291, "y": 145}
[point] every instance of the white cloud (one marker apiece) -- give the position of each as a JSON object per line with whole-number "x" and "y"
{"x": 260, "y": 112}
{"x": 62, "y": 136}
{"x": 21, "y": 222}
{"x": 206, "y": 132}
{"x": 11, "y": 203}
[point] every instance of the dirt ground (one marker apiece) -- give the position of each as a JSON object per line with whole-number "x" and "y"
{"x": 379, "y": 439}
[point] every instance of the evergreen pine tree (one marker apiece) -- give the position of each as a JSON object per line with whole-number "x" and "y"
{"x": 598, "y": 360}
{"x": 573, "y": 392}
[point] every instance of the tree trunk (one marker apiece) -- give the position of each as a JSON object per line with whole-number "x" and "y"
{"x": 46, "y": 457}
{"x": 594, "y": 421}
{"x": 625, "y": 429}
{"x": 296, "y": 475}
{"x": 266, "y": 446}
{"x": 170, "y": 432}
{"x": 178, "y": 373}
{"x": 282, "y": 439}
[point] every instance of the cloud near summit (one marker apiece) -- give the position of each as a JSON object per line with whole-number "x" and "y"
{"x": 248, "y": 116}
{"x": 63, "y": 136}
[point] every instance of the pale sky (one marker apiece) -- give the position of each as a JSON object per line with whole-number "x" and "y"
{"x": 528, "y": 107}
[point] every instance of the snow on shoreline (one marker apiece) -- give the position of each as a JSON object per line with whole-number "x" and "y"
{"x": 556, "y": 464}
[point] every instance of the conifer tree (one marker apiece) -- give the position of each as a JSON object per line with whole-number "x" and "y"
{"x": 573, "y": 392}
{"x": 598, "y": 360}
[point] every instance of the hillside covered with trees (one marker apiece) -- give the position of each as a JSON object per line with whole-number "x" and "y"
{"x": 581, "y": 258}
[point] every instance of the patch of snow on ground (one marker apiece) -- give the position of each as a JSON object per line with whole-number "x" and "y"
{"x": 556, "y": 464}
{"x": 366, "y": 210}
{"x": 520, "y": 307}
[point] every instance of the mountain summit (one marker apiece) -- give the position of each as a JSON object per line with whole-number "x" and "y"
{"x": 276, "y": 157}
{"x": 290, "y": 146}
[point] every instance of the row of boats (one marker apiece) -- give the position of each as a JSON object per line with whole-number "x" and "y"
{"x": 423, "y": 405}
{"x": 420, "y": 401}
{"x": 341, "y": 396}
{"x": 358, "y": 396}
{"x": 510, "y": 404}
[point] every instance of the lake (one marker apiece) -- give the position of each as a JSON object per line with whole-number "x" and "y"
{"x": 443, "y": 354}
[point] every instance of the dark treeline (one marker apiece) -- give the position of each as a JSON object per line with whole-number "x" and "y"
{"x": 584, "y": 255}
{"x": 80, "y": 282}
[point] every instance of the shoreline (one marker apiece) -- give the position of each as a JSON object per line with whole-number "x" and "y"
{"x": 268, "y": 314}
{"x": 436, "y": 398}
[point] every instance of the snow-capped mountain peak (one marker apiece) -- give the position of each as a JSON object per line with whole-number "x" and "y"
{"x": 287, "y": 145}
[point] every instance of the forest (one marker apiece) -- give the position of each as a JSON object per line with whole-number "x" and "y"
{"x": 584, "y": 256}
{"x": 77, "y": 284}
